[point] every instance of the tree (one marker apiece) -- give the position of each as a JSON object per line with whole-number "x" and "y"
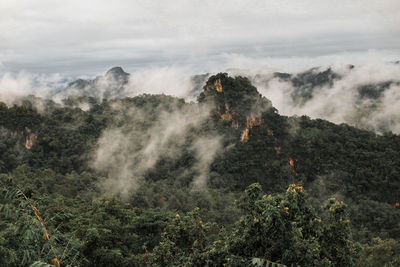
{"x": 285, "y": 229}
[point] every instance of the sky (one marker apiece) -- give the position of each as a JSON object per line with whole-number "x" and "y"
{"x": 88, "y": 37}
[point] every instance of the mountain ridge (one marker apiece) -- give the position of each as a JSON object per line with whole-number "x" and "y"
{"x": 169, "y": 164}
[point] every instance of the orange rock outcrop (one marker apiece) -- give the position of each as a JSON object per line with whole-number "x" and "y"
{"x": 218, "y": 86}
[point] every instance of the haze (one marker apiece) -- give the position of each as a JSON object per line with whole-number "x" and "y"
{"x": 87, "y": 37}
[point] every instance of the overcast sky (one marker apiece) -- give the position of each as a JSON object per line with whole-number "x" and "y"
{"x": 87, "y": 37}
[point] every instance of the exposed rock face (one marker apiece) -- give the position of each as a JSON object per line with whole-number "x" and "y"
{"x": 245, "y": 136}
{"x": 227, "y": 115}
{"x": 291, "y": 164}
{"x": 30, "y": 140}
{"x": 251, "y": 122}
{"x": 218, "y": 86}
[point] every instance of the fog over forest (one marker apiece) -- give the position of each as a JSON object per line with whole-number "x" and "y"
{"x": 199, "y": 133}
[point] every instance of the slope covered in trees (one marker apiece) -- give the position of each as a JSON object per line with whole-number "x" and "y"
{"x": 152, "y": 180}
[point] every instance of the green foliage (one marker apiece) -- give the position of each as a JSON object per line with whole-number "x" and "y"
{"x": 275, "y": 230}
{"x": 381, "y": 252}
{"x": 39, "y": 264}
{"x": 26, "y": 238}
{"x": 285, "y": 229}
{"x": 90, "y": 228}
{"x": 184, "y": 241}
{"x": 262, "y": 262}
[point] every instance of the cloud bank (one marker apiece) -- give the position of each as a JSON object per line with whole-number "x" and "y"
{"x": 339, "y": 102}
{"x": 14, "y": 86}
{"x": 76, "y": 37}
{"x": 342, "y": 101}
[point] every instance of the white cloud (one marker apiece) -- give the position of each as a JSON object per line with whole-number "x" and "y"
{"x": 128, "y": 152}
{"x": 17, "y": 85}
{"x": 67, "y": 36}
{"x": 166, "y": 80}
{"x": 206, "y": 149}
{"x": 341, "y": 103}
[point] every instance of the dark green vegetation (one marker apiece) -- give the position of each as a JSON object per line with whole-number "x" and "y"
{"x": 57, "y": 206}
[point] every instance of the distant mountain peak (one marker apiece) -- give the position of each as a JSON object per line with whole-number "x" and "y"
{"x": 235, "y": 100}
{"x": 116, "y": 71}
{"x": 110, "y": 85}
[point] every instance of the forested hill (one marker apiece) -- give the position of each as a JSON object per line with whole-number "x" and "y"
{"x": 152, "y": 180}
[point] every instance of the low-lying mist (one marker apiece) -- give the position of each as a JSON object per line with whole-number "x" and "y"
{"x": 366, "y": 96}
{"x": 128, "y": 150}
